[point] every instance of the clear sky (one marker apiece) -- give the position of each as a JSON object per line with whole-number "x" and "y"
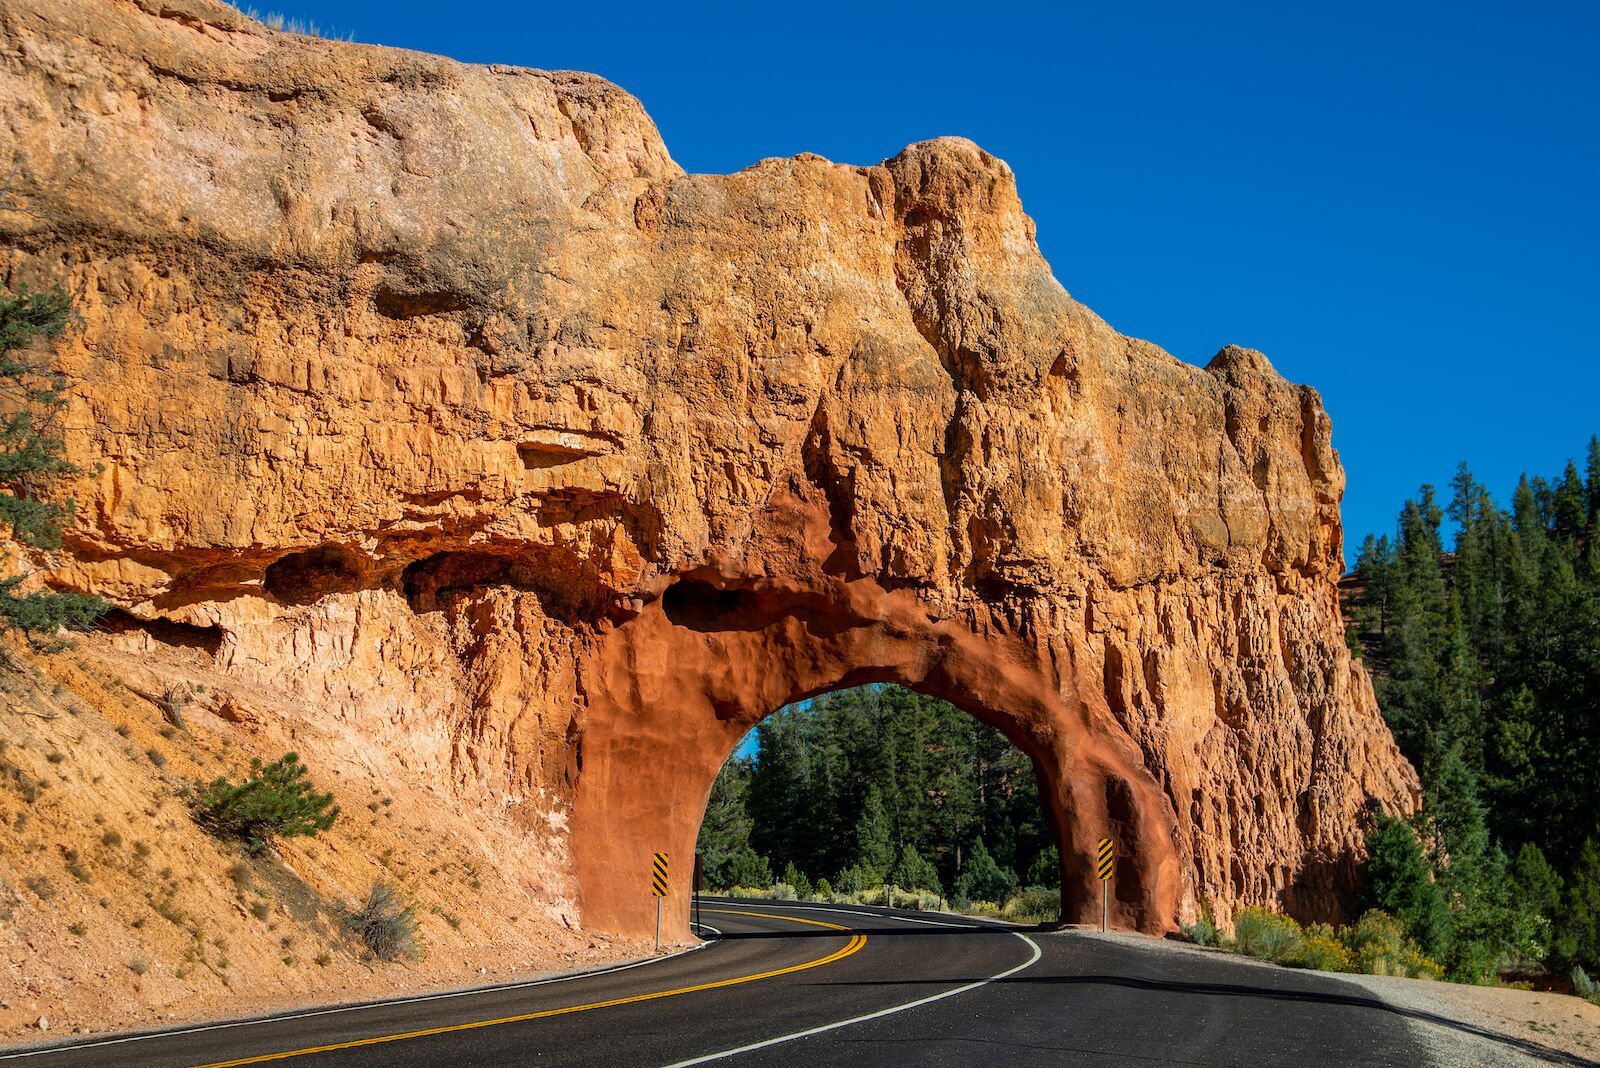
{"x": 1395, "y": 201}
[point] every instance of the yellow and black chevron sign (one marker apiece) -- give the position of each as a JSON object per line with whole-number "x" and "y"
{"x": 1108, "y": 859}
{"x": 658, "y": 880}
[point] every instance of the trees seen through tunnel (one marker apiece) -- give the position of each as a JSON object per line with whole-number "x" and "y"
{"x": 875, "y": 785}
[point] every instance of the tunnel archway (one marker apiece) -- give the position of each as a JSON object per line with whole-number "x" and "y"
{"x": 878, "y": 789}
{"x": 670, "y": 693}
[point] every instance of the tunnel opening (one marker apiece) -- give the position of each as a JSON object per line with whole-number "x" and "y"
{"x": 879, "y": 794}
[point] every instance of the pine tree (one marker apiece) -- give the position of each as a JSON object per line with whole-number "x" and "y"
{"x": 1375, "y": 562}
{"x": 796, "y": 878}
{"x": 1525, "y": 509}
{"x": 874, "y": 847}
{"x": 1571, "y": 505}
{"x": 276, "y": 800}
{"x": 941, "y": 778}
{"x": 1045, "y": 870}
{"x": 1536, "y": 895}
{"x": 913, "y": 872}
{"x": 1592, "y": 485}
{"x": 725, "y": 828}
{"x": 1398, "y": 880}
{"x": 32, "y": 461}
{"x": 1578, "y": 931}
{"x": 1468, "y": 871}
{"x": 747, "y": 868}
{"x": 1422, "y": 696}
{"x": 983, "y": 879}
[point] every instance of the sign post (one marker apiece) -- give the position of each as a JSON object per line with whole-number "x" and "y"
{"x": 1107, "y": 861}
{"x": 699, "y": 884}
{"x": 658, "y": 887}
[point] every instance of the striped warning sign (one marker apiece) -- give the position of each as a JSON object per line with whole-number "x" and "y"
{"x": 658, "y": 879}
{"x": 1108, "y": 859}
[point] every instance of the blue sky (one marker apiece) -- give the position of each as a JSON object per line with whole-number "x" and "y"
{"x": 1396, "y": 202}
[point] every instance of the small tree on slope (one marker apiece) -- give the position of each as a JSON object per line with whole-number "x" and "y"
{"x": 32, "y": 397}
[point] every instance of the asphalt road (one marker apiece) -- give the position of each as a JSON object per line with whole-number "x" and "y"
{"x": 814, "y": 985}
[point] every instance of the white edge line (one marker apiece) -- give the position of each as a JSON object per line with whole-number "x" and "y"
{"x": 1037, "y": 953}
{"x": 227, "y": 1024}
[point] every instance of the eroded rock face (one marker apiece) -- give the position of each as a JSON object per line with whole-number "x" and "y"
{"x": 441, "y": 394}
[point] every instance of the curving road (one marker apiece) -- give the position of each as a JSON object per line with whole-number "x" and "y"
{"x": 793, "y": 984}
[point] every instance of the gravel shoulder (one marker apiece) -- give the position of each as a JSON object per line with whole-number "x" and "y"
{"x": 1462, "y": 1026}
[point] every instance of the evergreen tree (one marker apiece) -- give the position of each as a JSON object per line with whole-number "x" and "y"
{"x": 1571, "y": 505}
{"x": 276, "y": 800}
{"x": 1398, "y": 880}
{"x": 1469, "y": 872}
{"x": 1536, "y": 894}
{"x": 747, "y": 868}
{"x": 874, "y": 848}
{"x": 32, "y": 461}
{"x": 1045, "y": 870}
{"x": 984, "y": 880}
{"x": 1578, "y": 930}
{"x": 796, "y": 878}
{"x": 1592, "y": 484}
{"x": 725, "y": 829}
{"x": 913, "y": 872}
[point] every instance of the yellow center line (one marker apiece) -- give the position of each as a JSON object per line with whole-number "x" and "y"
{"x": 853, "y": 946}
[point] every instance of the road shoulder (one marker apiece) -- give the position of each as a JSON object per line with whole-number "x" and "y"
{"x": 1460, "y": 1026}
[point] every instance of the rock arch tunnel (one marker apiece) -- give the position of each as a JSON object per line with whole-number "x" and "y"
{"x": 677, "y": 688}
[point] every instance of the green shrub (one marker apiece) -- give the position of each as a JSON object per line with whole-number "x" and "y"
{"x": 1379, "y": 945}
{"x": 1035, "y": 904}
{"x": 1415, "y": 964}
{"x": 918, "y": 900}
{"x": 1203, "y": 932}
{"x": 386, "y": 922}
{"x": 276, "y": 801}
{"x": 1267, "y": 935}
{"x": 857, "y": 878}
{"x": 1582, "y": 985}
{"x": 1375, "y": 935}
{"x": 1324, "y": 953}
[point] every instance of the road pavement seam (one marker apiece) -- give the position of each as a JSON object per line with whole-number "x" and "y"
{"x": 854, "y": 945}
{"x": 887, "y": 916}
{"x": 808, "y": 1032}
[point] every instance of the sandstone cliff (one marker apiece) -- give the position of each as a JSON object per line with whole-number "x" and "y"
{"x": 440, "y": 400}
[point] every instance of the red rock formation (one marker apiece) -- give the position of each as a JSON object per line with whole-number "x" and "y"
{"x": 440, "y": 394}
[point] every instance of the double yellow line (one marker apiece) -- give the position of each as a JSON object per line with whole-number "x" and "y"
{"x": 853, "y": 946}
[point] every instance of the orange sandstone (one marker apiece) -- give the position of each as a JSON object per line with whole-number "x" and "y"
{"x": 439, "y": 397}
